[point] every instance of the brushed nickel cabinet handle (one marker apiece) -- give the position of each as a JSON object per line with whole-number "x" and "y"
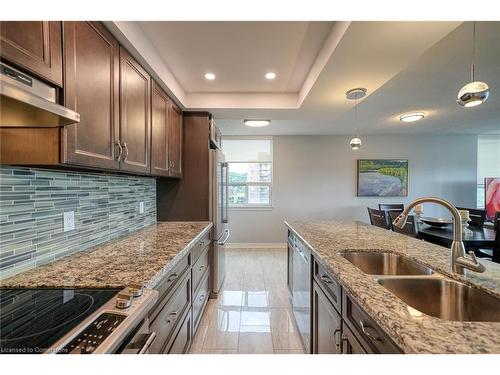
{"x": 173, "y": 316}
{"x": 120, "y": 150}
{"x": 201, "y": 267}
{"x": 373, "y": 338}
{"x": 202, "y": 297}
{"x": 172, "y": 277}
{"x": 338, "y": 343}
{"x": 124, "y": 145}
{"x": 326, "y": 279}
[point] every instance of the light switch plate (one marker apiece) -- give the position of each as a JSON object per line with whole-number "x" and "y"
{"x": 69, "y": 221}
{"x": 141, "y": 207}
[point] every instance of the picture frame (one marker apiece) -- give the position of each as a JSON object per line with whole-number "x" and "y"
{"x": 382, "y": 178}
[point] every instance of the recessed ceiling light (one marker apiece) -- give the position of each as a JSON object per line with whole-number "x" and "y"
{"x": 257, "y": 123}
{"x": 412, "y": 117}
{"x": 270, "y": 75}
{"x": 210, "y": 76}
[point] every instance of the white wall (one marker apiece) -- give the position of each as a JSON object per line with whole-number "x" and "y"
{"x": 315, "y": 178}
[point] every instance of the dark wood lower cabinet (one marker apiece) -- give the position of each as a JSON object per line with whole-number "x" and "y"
{"x": 327, "y": 324}
{"x": 182, "y": 341}
{"x": 350, "y": 345}
{"x": 180, "y": 307}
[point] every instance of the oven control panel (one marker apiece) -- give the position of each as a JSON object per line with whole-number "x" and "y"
{"x": 93, "y": 336}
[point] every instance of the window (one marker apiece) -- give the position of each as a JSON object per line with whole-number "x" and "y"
{"x": 250, "y": 171}
{"x": 488, "y": 162}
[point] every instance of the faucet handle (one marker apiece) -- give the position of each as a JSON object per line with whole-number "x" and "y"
{"x": 472, "y": 255}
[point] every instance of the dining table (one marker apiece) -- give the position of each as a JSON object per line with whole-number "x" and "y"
{"x": 480, "y": 238}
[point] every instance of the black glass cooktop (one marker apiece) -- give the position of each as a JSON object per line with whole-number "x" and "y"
{"x": 31, "y": 320}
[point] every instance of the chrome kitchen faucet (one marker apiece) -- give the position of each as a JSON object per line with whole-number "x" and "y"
{"x": 459, "y": 259}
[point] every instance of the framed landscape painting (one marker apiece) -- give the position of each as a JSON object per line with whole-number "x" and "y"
{"x": 382, "y": 178}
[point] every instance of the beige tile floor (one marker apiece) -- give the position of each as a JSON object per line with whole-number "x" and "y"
{"x": 252, "y": 314}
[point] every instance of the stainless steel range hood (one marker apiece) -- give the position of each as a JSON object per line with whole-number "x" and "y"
{"x": 26, "y": 101}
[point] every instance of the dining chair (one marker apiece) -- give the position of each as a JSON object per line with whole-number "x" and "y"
{"x": 488, "y": 253}
{"x": 388, "y": 207}
{"x": 391, "y": 207}
{"x": 409, "y": 229}
{"x": 377, "y": 218}
{"x": 477, "y": 216}
{"x": 496, "y": 221}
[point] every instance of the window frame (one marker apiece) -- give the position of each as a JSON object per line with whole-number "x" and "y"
{"x": 250, "y": 206}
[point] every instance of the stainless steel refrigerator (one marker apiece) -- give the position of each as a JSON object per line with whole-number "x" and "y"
{"x": 219, "y": 176}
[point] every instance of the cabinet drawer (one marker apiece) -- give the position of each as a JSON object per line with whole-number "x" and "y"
{"x": 329, "y": 284}
{"x": 199, "y": 268}
{"x": 350, "y": 344}
{"x": 167, "y": 285}
{"x": 369, "y": 334}
{"x": 199, "y": 301}
{"x": 168, "y": 318}
{"x": 182, "y": 341}
{"x": 200, "y": 247}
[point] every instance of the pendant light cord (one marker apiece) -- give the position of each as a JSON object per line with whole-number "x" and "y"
{"x": 356, "y": 115}
{"x": 473, "y": 50}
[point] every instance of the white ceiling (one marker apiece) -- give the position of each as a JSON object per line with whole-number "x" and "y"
{"x": 405, "y": 66}
{"x": 238, "y": 53}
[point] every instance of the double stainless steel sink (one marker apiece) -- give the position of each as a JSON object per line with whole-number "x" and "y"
{"x": 425, "y": 290}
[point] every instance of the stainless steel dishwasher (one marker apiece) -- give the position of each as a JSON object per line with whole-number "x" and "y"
{"x": 301, "y": 292}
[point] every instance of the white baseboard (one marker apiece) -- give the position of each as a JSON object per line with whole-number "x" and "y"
{"x": 256, "y": 245}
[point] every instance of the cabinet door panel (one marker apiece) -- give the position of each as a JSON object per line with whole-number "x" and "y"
{"x": 327, "y": 324}
{"x": 91, "y": 88}
{"x": 159, "y": 132}
{"x": 35, "y": 46}
{"x": 134, "y": 114}
{"x": 175, "y": 149}
{"x": 350, "y": 345}
{"x": 182, "y": 341}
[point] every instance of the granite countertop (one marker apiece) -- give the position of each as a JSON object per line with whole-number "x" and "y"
{"x": 414, "y": 333}
{"x": 143, "y": 257}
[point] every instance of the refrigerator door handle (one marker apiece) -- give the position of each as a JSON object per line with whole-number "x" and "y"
{"x": 226, "y": 187}
{"x": 223, "y": 242}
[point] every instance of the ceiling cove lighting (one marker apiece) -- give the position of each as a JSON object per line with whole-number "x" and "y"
{"x": 475, "y": 92}
{"x": 412, "y": 117}
{"x": 270, "y": 75}
{"x": 210, "y": 76}
{"x": 257, "y": 123}
{"x": 355, "y": 94}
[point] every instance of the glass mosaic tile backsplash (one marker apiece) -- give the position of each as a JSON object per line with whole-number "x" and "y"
{"x": 33, "y": 202}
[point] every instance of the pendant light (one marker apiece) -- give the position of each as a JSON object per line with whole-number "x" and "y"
{"x": 473, "y": 93}
{"x": 355, "y": 94}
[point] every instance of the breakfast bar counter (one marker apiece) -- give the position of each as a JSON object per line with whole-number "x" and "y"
{"x": 412, "y": 330}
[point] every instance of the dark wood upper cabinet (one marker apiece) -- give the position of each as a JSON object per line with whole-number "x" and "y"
{"x": 91, "y": 78}
{"x": 160, "y": 104}
{"x": 35, "y": 46}
{"x": 175, "y": 148}
{"x": 135, "y": 125}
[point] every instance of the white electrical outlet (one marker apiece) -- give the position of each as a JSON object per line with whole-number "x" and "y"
{"x": 141, "y": 207}
{"x": 69, "y": 220}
